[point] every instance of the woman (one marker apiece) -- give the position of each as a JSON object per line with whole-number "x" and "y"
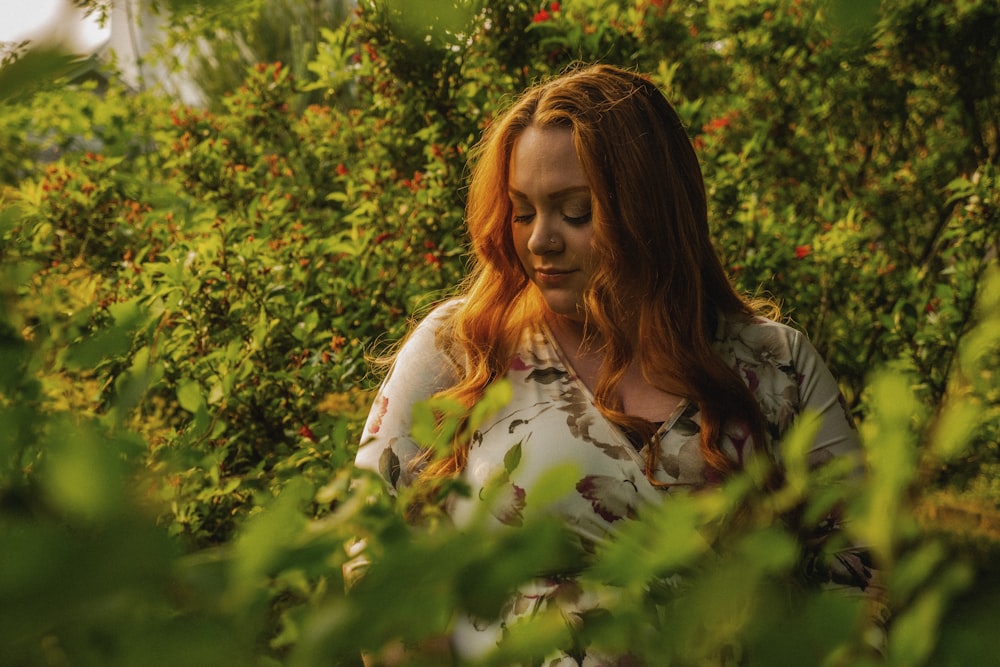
{"x": 596, "y": 292}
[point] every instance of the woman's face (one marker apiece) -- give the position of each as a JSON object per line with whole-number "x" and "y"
{"x": 552, "y": 227}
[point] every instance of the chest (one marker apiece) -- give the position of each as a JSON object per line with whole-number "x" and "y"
{"x": 635, "y": 395}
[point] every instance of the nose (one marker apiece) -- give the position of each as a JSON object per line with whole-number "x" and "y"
{"x": 545, "y": 237}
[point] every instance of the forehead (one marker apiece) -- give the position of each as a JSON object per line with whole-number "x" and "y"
{"x": 545, "y": 158}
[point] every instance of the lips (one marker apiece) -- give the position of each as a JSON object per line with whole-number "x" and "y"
{"x": 552, "y": 275}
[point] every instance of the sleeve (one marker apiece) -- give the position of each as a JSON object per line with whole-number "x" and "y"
{"x": 422, "y": 368}
{"x": 850, "y": 570}
{"x": 820, "y": 395}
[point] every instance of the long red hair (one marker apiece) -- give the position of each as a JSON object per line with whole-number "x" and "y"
{"x": 658, "y": 289}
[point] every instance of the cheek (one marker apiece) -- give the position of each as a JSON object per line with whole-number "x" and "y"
{"x": 583, "y": 246}
{"x": 519, "y": 236}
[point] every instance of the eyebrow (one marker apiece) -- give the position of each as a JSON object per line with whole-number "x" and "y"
{"x": 552, "y": 195}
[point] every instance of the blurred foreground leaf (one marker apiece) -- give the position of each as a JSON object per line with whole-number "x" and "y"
{"x": 435, "y": 23}
{"x": 38, "y": 67}
{"x": 853, "y": 19}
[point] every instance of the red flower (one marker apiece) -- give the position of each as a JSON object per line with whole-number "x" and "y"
{"x": 718, "y": 123}
{"x": 307, "y": 433}
{"x": 555, "y": 7}
{"x": 803, "y": 251}
{"x": 541, "y": 16}
{"x": 341, "y": 169}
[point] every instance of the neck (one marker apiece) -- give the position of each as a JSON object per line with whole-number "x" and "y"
{"x": 574, "y": 334}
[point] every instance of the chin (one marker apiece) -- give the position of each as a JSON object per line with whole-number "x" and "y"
{"x": 563, "y": 303}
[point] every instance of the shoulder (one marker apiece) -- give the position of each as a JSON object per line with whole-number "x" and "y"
{"x": 760, "y": 340}
{"x": 435, "y": 330}
{"x": 440, "y": 315}
{"x": 429, "y": 357}
{"x": 423, "y": 366}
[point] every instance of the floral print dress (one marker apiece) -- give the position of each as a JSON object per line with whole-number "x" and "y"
{"x": 552, "y": 421}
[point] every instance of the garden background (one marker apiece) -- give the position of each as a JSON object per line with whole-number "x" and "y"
{"x": 188, "y": 296}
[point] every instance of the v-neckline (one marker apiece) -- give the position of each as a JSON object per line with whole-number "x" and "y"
{"x": 564, "y": 359}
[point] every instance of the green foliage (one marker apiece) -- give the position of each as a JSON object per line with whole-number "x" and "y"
{"x": 187, "y": 297}
{"x": 223, "y": 42}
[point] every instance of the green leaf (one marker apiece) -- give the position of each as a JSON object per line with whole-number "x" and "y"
{"x": 956, "y": 424}
{"x": 190, "y": 396}
{"x": 915, "y": 629}
{"x": 267, "y": 537}
{"x": 84, "y": 473}
{"x": 112, "y": 342}
{"x": 496, "y": 396}
{"x": 512, "y": 458}
{"x": 37, "y": 67}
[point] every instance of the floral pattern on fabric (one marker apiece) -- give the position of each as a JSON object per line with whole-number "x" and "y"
{"x": 552, "y": 421}
{"x": 601, "y": 491}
